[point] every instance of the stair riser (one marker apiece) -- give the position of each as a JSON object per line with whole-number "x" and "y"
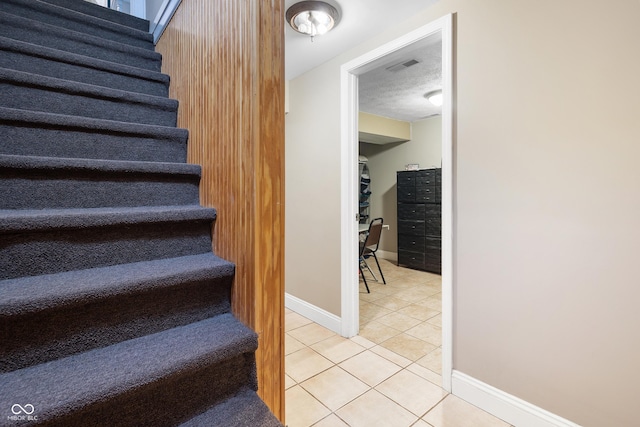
{"x": 53, "y": 251}
{"x": 16, "y": 95}
{"x": 169, "y": 401}
{"x": 73, "y": 21}
{"x": 66, "y": 141}
{"x": 37, "y": 338}
{"x": 102, "y": 13}
{"x": 28, "y": 189}
{"x": 68, "y": 42}
{"x": 245, "y": 408}
{"x": 49, "y": 67}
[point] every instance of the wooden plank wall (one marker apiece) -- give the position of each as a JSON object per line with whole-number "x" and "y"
{"x": 226, "y": 62}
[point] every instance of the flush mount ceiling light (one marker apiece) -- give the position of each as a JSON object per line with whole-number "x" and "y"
{"x": 434, "y": 97}
{"x": 313, "y": 18}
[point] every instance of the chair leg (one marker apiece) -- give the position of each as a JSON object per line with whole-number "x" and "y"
{"x": 379, "y": 269}
{"x": 370, "y": 270}
{"x": 364, "y": 279}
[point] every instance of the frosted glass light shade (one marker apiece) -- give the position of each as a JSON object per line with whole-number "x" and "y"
{"x": 435, "y": 97}
{"x": 313, "y": 18}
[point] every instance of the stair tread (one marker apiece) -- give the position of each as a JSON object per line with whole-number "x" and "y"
{"x": 244, "y": 409}
{"x": 63, "y": 386}
{"x": 86, "y": 61}
{"x": 55, "y": 119}
{"x": 70, "y": 15}
{"x": 38, "y": 182}
{"x": 10, "y": 161}
{"x": 84, "y": 89}
{"x": 18, "y": 221}
{"x": 22, "y": 22}
{"x": 36, "y": 293}
{"x": 41, "y": 133}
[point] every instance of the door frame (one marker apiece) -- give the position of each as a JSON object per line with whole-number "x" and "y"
{"x": 349, "y": 72}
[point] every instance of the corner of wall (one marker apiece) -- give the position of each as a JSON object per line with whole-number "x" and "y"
{"x": 310, "y": 311}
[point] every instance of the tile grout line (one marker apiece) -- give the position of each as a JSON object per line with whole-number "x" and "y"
{"x": 382, "y": 349}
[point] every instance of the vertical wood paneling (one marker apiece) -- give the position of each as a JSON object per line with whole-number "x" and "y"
{"x": 226, "y": 62}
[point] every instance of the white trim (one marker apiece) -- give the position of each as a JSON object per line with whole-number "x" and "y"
{"x": 350, "y": 303}
{"x": 162, "y": 18}
{"x": 447, "y": 200}
{"x": 348, "y": 148}
{"x": 310, "y": 311}
{"x": 509, "y": 408}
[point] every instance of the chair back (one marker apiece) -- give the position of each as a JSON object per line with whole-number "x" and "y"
{"x": 373, "y": 237}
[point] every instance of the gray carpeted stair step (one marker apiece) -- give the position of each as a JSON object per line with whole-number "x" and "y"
{"x": 30, "y": 31}
{"x": 37, "y": 242}
{"x": 27, "y": 57}
{"x": 76, "y": 21}
{"x": 34, "y": 133}
{"x": 156, "y": 380}
{"x": 39, "y": 93}
{"x": 244, "y": 409}
{"x": 28, "y": 182}
{"x": 103, "y": 13}
{"x": 103, "y": 306}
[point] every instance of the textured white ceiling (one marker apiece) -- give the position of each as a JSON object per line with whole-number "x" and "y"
{"x": 391, "y": 96}
{"x": 399, "y": 93}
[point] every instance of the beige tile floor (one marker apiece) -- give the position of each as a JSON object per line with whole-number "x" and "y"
{"x": 389, "y": 375}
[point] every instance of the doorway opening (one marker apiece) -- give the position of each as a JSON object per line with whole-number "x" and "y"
{"x": 350, "y": 73}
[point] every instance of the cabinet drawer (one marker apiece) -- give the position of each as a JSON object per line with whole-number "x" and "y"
{"x": 432, "y": 243}
{"x": 432, "y": 210}
{"x": 433, "y": 255}
{"x": 426, "y": 177}
{"x": 413, "y": 228}
{"x": 406, "y": 193}
{"x": 432, "y": 227}
{"x": 413, "y": 211}
{"x": 411, "y": 259}
{"x": 406, "y": 178}
{"x": 426, "y": 194}
{"x": 433, "y": 267}
{"x": 411, "y": 243}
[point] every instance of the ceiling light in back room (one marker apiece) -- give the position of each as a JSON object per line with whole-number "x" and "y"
{"x": 434, "y": 97}
{"x": 312, "y": 18}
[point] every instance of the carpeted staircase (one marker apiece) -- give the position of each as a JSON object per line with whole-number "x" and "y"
{"x": 113, "y": 309}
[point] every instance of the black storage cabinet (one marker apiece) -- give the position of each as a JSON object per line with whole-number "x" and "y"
{"x": 419, "y": 219}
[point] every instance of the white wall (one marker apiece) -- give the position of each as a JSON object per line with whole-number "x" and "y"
{"x": 312, "y": 189}
{"x": 546, "y": 199}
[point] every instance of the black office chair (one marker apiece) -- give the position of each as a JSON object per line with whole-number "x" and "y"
{"x": 368, "y": 249}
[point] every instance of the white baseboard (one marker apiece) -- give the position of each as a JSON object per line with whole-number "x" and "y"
{"x": 310, "y": 311}
{"x": 509, "y": 408}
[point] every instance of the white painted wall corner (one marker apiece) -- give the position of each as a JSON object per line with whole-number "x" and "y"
{"x": 310, "y": 311}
